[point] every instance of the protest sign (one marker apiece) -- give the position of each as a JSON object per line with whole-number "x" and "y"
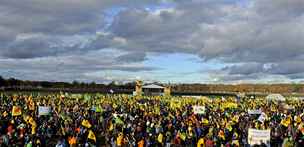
{"x": 44, "y": 110}
{"x": 258, "y": 137}
{"x": 199, "y": 109}
{"x": 262, "y": 117}
{"x": 254, "y": 112}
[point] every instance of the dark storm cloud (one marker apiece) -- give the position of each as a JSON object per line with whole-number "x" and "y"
{"x": 287, "y": 68}
{"x": 245, "y": 69}
{"x": 68, "y": 68}
{"x": 212, "y": 30}
{"x": 232, "y": 78}
{"x": 32, "y": 47}
{"x": 169, "y": 30}
{"x": 290, "y": 69}
{"x": 51, "y": 17}
{"x": 258, "y": 37}
{"x": 54, "y": 18}
{"x": 59, "y": 16}
{"x": 74, "y": 63}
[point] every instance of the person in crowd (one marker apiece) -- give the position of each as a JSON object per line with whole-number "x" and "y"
{"x": 121, "y": 120}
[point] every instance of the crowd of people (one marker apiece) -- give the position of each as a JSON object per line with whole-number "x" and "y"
{"x": 123, "y": 120}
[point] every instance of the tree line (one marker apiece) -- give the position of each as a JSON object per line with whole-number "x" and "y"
{"x": 75, "y": 86}
{"x": 16, "y": 84}
{"x": 259, "y": 88}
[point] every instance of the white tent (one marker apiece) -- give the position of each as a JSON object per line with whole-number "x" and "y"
{"x": 153, "y": 86}
{"x": 275, "y": 97}
{"x": 153, "y": 89}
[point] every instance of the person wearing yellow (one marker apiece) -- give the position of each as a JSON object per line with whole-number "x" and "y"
{"x": 160, "y": 138}
{"x": 201, "y": 142}
{"x": 119, "y": 139}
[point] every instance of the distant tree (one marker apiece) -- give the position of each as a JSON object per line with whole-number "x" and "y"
{"x": 92, "y": 85}
{"x": 112, "y": 84}
{"x": 75, "y": 84}
{"x": 2, "y": 81}
{"x": 296, "y": 87}
{"x": 82, "y": 85}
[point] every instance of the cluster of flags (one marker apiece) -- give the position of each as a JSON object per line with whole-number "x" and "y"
{"x": 88, "y": 125}
{"x": 198, "y": 106}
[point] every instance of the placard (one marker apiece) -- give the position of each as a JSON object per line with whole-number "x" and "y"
{"x": 258, "y": 137}
{"x": 253, "y": 112}
{"x": 199, "y": 109}
{"x": 44, "y": 110}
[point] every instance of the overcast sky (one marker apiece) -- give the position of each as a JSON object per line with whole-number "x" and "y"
{"x": 177, "y": 41}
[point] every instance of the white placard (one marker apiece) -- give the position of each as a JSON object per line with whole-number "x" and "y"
{"x": 253, "y": 112}
{"x": 262, "y": 117}
{"x": 199, "y": 109}
{"x": 44, "y": 110}
{"x": 257, "y": 137}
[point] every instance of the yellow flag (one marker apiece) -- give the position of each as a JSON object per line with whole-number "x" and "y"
{"x": 200, "y": 142}
{"x": 31, "y": 105}
{"x": 86, "y": 123}
{"x": 91, "y": 135}
{"x": 160, "y": 138}
{"x": 182, "y": 136}
{"x": 119, "y": 139}
{"x": 111, "y": 127}
{"x": 235, "y": 118}
{"x": 33, "y": 130}
{"x": 4, "y": 114}
{"x": 15, "y": 98}
{"x": 229, "y": 127}
{"x": 62, "y": 130}
{"x": 298, "y": 119}
{"x": 285, "y": 122}
{"x": 32, "y": 121}
{"x": 16, "y": 111}
{"x": 236, "y": 142}
{"x": 205, "y": 121}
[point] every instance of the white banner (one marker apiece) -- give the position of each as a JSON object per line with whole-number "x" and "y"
{"x": 44, "y": 110}
{"x": 199, "y": 109}
{"x": 253, "y": 112}
{"x": 257, "y": 137}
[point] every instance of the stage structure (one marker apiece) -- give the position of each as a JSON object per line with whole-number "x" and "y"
{"x": 151, "y": 90}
